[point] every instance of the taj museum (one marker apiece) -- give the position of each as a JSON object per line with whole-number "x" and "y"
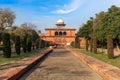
{"x": 60, "y": 35}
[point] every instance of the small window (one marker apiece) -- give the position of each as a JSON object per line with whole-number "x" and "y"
{"x": 64, "y": 33}
{"x": 56, "y": 33}
{"x": 60, "y": 33}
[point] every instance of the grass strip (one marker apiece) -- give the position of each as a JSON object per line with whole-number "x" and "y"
{"x": 15, "y": 57}
{"x": 103, "y": 57}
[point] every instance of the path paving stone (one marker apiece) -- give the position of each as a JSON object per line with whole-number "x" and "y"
{"x": 61, "y": 65}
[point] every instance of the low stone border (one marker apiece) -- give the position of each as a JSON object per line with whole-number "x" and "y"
{"x": 106, "y": 71}
{"x": 15, "y": 73}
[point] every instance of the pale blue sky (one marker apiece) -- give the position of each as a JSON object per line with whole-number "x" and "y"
{"x": 45, "y": 13}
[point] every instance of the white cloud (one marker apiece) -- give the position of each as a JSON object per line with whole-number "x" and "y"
{"x": 74, "y": 5}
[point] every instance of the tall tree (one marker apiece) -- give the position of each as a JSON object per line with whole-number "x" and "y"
{"x": 109, "y": 25}
{"x": 85, "y": 31}
{"x": 6, "y": 18}
{"x": 21, "y": 32}
{"x": 96, "y": 22}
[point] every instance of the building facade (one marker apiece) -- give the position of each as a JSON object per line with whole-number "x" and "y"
{"x": 59, "y": 35}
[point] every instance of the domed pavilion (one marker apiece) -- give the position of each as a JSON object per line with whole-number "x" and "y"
{"x": 60, "y": 23}
{"x": 59, "y": 35}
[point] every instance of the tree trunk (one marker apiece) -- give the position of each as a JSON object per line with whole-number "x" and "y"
{"x": 110, "y": 47}
{"x": 94, "y": 44}
{"x": 91, "y": 45}
{"x": 87, "y": 45}
{"x": 77, "y": 42}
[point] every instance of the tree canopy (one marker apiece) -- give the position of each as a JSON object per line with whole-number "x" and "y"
{"x": 105, "y": 23}
{"x": 6, "y": 17}
{"x": 85, "y": 30}
{"x": 109, "y": 24}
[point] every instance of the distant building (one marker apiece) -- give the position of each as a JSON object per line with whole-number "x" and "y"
{"x": 59, "y": 35}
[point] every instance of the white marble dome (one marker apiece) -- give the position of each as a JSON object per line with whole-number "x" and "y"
{"x": 60, "y": 21}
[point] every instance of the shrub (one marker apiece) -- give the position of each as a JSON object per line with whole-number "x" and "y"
{"x": 1, "y": 47}
{"x": 7, "y": 46}
{"x": 17, "y": 45}
{"x": 42, "y": 44}
{"x": 37, "y": 44}
{"x": 29, "y": 44}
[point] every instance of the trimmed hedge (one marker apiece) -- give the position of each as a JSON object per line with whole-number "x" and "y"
{"x": 37, "y": 43}
{"x": 1, "y": 47}
{"x": 17, "y": 45}
{"x": 29, "y": 44}
{"x": 7, "y": 46}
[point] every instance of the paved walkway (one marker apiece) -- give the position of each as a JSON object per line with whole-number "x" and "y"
{"x": 61, "y": 65}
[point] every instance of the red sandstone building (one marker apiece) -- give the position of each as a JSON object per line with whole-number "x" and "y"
{"x": 59, "y": 35}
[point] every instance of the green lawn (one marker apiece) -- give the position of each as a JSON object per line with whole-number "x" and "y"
{"x": 103, "y": 57}
{"x": 15, "y": 57}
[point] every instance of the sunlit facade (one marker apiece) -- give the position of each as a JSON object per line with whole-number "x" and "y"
{"x": 59, "y": 35}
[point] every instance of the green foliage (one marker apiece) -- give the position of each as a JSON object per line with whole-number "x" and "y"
{"x": 12, "y": 36}
{"x": 21, "y": 32}
{"x": 29, "y": 44}
{"x": 43, "y": 44}
{"x": 103, "y": 57}
{"x": 24, "y": 32}
{"x": 24, "y": 45}
{"x": 109, "y": 24}
{"x": 105, "y": 23}
{"x": 34, "y": 35}
{"x": 37, "y": 43}
{"x": 14, "y": 57}
{"x": 7, "y": 46}
{"x": 1, "y": 47}
{"x": 17, "y": 45}
{"x": 85, "y": 30}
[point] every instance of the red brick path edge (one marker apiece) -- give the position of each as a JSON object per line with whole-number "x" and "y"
{"x": 15, "y": 73}
{"x": 106, "y": 71}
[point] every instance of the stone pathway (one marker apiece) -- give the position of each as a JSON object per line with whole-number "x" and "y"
{"x": 61, "y": 65}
